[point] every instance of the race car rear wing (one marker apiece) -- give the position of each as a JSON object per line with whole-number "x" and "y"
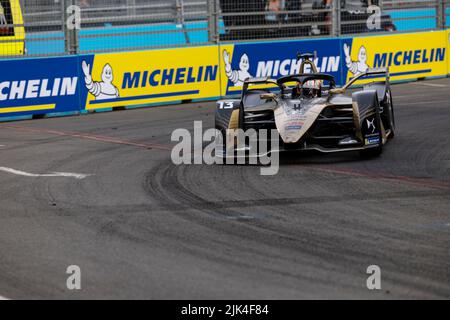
{"x": 370, "y": 73}
{"x": 375, "y": 73}
{"x": 258, "y": 81}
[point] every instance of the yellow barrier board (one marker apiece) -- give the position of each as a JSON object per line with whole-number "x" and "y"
{"x": 408, "y": 56}
{"x": 447, "y": 40}
{"x": 12, "y": 31}
{"x": 142, "y": 78}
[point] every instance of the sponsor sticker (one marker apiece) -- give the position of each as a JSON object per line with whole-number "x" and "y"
{"x": 373, "y": 140}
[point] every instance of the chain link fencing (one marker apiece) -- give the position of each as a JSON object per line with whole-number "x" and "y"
{"x": 447, "y": 14}
{"x": 416, "y": 15}
{"x": 30, "y": 28}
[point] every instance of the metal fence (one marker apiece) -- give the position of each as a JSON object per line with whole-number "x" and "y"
{"x": 58, "y": 27}
{"x": 447, "y": 14}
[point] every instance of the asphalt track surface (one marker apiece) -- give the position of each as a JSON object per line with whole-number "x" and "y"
{"x": 141, "y": 227}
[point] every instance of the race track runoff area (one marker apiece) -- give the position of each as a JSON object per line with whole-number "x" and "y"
{"x": 100, "y": 191}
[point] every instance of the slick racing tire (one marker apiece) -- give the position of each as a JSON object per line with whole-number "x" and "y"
{"x": 371, "y": 153}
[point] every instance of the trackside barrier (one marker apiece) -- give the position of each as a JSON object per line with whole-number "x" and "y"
{"x": 447, "y": 40}
{"x": 151, "y": 77}
{"x": 39, "y": 86}
{"x": 82, "y": 83}
{"x": 409, "y": 57}
{"x": 274, "y": 60}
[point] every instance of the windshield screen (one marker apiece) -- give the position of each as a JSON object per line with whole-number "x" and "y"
{"x": 6, "y": 20}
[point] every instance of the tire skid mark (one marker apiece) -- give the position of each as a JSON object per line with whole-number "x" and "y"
{"x": 170, "y": 184}
{"x": 330, "y": 169}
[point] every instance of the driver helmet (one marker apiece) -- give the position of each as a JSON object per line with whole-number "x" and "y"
{"x": 312, "y": 89}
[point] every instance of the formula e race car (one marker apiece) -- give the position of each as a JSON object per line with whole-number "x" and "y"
{"x": 309, "y": 113}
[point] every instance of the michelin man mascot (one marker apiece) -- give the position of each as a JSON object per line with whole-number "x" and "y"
{"x": 356, "y": 67}
{"x": 101, "y": 90}
{"x": 238, "y": 77}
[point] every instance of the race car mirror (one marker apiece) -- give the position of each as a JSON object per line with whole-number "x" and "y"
{"x": 3, "y": 22}
{"x": 337, "y": 91}
{"x": 268, "y": 96}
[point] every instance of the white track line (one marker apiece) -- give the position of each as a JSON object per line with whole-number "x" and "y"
{"x": 3, "y": 298}
{"x": 78, "y": 176}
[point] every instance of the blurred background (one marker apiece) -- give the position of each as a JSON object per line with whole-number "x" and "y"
{"x": 39, "y": 28}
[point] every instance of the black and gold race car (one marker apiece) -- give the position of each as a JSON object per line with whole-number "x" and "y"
{"x": 310, "y": 113}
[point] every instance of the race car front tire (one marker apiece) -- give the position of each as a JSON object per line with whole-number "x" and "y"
{"x": 372, "y": 152}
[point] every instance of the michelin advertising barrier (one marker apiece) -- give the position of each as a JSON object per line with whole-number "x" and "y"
{"x": 151, "y": 77}
{"x": 103, "y": 81}
{"x": 408, "y": 56}
{"x": 447, "y": 39}
{"x": 274, "y": 60}
{"x": 133, "y": 79}
{"x": 39, "y": 86}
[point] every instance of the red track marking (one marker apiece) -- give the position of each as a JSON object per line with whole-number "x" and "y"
{"x": 88, "y": 136}
{"x": 383, "y": 176}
